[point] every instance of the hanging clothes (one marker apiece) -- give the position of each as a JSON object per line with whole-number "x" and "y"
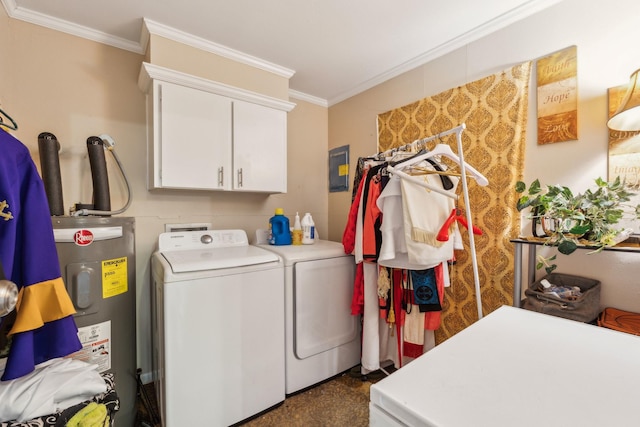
{"x": 349, "y": 234}
{"x": 419, "y": 325}
{"x": 397, "y": 228}
{"x": 424, "y": 212}
{"x": 371, "y": 237}
{"x": 387, "y": 224}
{"x": 377, "y": 342}
{"x": 403, "y": 231}
{"x": 44, "y": 327}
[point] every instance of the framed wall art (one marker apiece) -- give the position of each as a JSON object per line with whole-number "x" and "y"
{"x": 557, "y": 92}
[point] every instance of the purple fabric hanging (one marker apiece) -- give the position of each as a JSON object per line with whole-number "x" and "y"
{"x": 28, "y": 254}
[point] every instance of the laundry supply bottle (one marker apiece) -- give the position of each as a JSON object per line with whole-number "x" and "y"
{"x": 296, "y": 236}
{"x": 308, "y": 229}
{"x": 279, "y": 233}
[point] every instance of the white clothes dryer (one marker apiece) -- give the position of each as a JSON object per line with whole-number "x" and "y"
{"x": 218, "y": 328}
{"x": 322, "y": 336}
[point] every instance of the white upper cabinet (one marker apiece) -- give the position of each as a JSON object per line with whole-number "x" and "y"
{"x": 259, "y": 148}
{"x": 207, "y": 136}
{"x": 193, "y": 138}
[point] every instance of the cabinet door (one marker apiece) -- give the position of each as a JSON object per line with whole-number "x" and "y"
{"x": 259, "y": 148}
{"x": 194, "y": 138}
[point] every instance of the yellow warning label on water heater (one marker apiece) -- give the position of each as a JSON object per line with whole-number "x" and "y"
{"x": 114, "y": 277}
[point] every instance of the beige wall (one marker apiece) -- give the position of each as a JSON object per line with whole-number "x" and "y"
{"x": 75, "y": 88}
{"x": 177, "y": 56}
{"x": 606, "y": 35}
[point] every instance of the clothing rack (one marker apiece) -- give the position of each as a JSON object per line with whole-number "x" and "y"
{"x": 465, "y": 190}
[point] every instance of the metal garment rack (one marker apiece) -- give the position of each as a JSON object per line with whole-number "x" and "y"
{"x": 458, "y": 132}
{"x": 520, "y": 242}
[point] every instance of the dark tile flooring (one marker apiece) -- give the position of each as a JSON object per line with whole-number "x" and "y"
{"x": 340, "y": 401}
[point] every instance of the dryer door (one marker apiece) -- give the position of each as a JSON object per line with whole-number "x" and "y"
{"x": 322, "y": 294}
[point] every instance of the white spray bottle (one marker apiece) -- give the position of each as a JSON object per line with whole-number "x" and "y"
{"x": 308, "y": 230}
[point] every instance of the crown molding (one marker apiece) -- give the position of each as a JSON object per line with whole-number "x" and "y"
{"x": 151, "y": 27}
{"x": 37, "y": 18}
{"x": 470, "y": 36}
{"x": 308, "y": 98}
{"x": 148, "y": 27}
{"x": 150, "y": 72}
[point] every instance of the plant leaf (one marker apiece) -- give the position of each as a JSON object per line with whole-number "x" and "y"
{"x": 567, "y": 247}
{"x": 579, "y": 230}
{"x": 534, "y": 188}
{"x": 523, "y": 202}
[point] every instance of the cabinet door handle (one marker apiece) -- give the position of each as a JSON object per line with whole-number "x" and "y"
{"x": 240, "y": 177}
{"x": 221, "y": 176}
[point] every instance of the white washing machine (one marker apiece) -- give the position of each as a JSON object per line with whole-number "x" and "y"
{"x": 322, "y": 337}
{"x": 218, "y": 328}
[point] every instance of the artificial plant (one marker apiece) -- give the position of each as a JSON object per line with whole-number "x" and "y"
{"x": 568, "y": 220}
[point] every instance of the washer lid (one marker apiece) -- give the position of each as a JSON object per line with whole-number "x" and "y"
{"x": 321, "y": 249}
{"x": 182, "y": 261}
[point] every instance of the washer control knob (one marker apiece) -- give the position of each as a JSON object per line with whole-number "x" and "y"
{"x": 206, "y": 239}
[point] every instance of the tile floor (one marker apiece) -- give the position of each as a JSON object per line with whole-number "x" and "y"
{"x": 340, "y": 401}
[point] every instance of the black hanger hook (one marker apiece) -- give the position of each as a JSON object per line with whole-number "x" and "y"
{"x": 12, "y": 126}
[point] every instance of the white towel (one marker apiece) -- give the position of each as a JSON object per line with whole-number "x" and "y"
{"x": 424, "y": 214}
{"x": 393, "y": 251}
{"x": 53, "y": 386}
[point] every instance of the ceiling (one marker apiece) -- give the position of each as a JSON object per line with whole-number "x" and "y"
{"x": 336, "y": 48}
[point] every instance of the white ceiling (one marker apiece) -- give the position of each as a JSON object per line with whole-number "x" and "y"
{"x": 337, "y": 48}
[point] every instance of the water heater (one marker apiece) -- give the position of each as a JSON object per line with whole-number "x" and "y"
{"x": 97, "y": 261}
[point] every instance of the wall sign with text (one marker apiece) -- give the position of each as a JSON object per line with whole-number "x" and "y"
{"x": 624, "y": 155}
{"x": 558, "y": 96}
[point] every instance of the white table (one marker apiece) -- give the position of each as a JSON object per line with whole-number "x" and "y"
{"x": 517, "y": 368}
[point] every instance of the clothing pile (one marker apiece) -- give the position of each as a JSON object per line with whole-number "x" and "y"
{"x": 100, "y": 411}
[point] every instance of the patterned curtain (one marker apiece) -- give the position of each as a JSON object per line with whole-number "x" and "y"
{"x": 494, "y": 110}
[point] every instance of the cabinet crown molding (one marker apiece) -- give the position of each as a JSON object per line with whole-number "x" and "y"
{"x": 150, "y": 72}
{"x": 152, "y": 27}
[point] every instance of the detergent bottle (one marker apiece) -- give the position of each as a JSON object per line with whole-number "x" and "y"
{"x": 308, "y": 229}
{"x": 279, "y": 233}
{"x": 296, "y": 236}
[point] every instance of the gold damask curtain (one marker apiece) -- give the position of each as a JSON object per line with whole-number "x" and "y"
{"x": 494, "y": 110}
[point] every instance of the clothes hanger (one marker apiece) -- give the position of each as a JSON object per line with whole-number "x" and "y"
{"x": 447, "y": 184}
{"x": 421, "y": 182}
{"x": 399, "y": 156}
{"x": 420, "y": 170}
{"x": 12, "y": 126}
{"x": 440, "y": 150}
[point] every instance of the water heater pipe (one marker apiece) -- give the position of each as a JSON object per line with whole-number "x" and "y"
{"x": 108, "y": 144}
{"x": 99, "y": 174}
{"x": 48, "y": 147}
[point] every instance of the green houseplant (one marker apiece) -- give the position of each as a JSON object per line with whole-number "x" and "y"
{"x": 569, "y": 220}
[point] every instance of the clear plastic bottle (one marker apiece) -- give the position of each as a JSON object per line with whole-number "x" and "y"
{"x": 297, "y": 231}
{"x": 308, "y": 229}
